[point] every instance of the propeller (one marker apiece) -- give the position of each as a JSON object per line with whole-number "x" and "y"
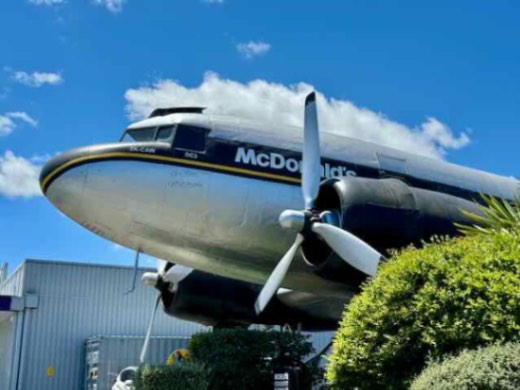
{"x": 350, "y": 248}
{"x": 163, "y": 277}
{"x": 144, "y": 350}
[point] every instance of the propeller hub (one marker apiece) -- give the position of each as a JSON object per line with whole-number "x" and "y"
{"x": 292, "y": 220}
{"x": 150, "y": 279}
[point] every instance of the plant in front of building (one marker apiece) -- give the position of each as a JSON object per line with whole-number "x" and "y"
{"x": 495, "y": 214}
{"x": 240, "y": 358}
{"x": 427, "y": 303}
{"x": 179, "y": 376}
{"x": 495, "y": 368}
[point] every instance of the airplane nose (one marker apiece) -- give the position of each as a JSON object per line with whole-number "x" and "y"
{"x": 62, "y": 181}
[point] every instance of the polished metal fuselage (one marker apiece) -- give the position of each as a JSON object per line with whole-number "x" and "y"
{"x": 215, "y": 221}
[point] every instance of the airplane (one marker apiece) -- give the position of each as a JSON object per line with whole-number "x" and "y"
{"x": 219, "y": 200}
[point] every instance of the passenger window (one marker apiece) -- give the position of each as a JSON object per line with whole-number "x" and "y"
{"x": 165, "y": 134}
{"x": 190, "y": 138}
{"x": 392, "y": 164}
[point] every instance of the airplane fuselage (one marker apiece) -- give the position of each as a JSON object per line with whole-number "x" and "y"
{"x": 214, "y": 205}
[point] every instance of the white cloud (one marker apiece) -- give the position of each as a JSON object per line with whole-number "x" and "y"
{"x": 7, "y": 125}
{"x": 23, "y": 116}
{"x": 18, "y": 176}
{"x": 439, "y": 132}
{"x": 213, "y": 1}
{"x": 9, "y": 121}
{"x": 41, "y": 158}
{"x": 253, "y": 49}
{"x": 112, "y": 5}
{"x": 37, "y": 79}
{"x": 266, "y": 101}
{"x": 46, "y": 2}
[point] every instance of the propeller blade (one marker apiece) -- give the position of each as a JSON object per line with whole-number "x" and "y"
{"x": 176, "y": 273}
{"x": 275, "y": 279}
{"x": 311, "y": 161}
{"x": 149, "y": 331}
{"x": 354, "y": 251}
{"x": 161, "y": 265}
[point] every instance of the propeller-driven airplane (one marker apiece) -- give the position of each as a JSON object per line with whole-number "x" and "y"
{"x": 219, "y": 199}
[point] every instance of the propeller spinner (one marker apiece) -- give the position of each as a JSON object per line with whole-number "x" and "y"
{"x": 350, "y": 248}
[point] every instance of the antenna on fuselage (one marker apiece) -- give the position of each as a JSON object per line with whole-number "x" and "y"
{"x": 134, "y": 278}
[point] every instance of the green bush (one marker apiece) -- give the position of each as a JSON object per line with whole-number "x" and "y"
{"x": 494, "y": 368}
{"x": 180, "y": 376}
{"x": 426, "y": 303}
{"x": 241, "y": 359}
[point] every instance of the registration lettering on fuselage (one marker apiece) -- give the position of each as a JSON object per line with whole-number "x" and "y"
{"x": 191, "y": 155}
{"x": 142, "y": 149}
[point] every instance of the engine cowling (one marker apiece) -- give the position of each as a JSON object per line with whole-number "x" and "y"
{"x": 214, "y": 300}
{"x": 386, "y": 214}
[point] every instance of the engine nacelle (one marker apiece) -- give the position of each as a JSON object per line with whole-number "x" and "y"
{"x": 218, "y": 301}
{"x": 385, "y": 213}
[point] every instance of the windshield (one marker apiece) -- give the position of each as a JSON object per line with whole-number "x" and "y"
{"x": 139, "y": 135}
{"x": 147, "y": 134}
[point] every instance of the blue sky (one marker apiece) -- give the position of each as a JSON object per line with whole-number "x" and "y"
{"x": 436, "y": 77}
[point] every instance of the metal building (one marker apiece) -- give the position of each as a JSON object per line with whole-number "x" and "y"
{"x": 49, "y": 309}
{"x": 54, "y": 307}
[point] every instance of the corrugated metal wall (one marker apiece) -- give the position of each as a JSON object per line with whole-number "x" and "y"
{"x": 77, "y": 301}
{"x": 6, "y": 349}
{"x": 10, "y": 330}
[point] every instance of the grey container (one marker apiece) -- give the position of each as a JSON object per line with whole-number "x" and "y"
{"x": 106, "y": 356}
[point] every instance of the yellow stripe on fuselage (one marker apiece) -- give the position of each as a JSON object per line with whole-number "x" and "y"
{"x": 183, "y": 161}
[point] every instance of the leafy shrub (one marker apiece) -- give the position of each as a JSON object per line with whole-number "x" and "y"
{"x": 494, "y": 368}
{"x": 180, "y": 376}
{"x": 241, "y": 359}
{"x": 426, "y": 303}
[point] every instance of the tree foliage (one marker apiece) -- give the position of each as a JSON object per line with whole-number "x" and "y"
{"x": 240, "y": 358}
{"x": 180, "y": 376}
{"x": 426, "y": 303}
{"x": 491, "y": 368}
{"x": 230, "y": 359}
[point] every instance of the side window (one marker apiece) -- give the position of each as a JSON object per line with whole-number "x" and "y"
{"x": 190, "y": 138}
{"x": 392, "y": 164}
{"x": 165, "y": 134}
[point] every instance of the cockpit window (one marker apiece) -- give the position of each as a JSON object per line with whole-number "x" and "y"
{"x": 190, "y": 138}
{"x": 184, "y": 137}
{"x": 139, "y": 135}
{"x": 165, "y": 134}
